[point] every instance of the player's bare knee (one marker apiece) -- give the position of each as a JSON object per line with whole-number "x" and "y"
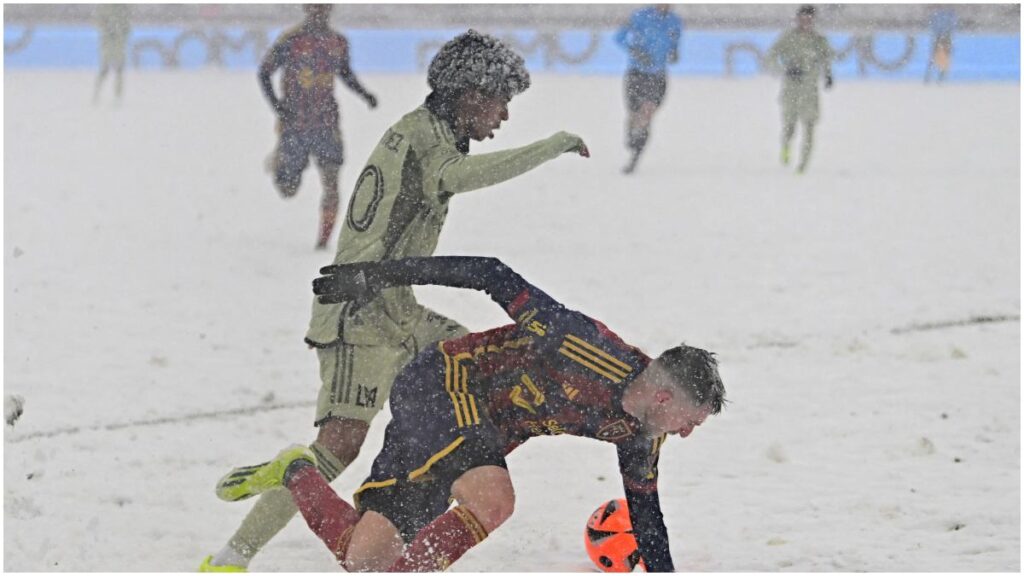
{"x": 375, "y": 545}
{"x": 343, "y": 437}
{"x": 488, "y": 494}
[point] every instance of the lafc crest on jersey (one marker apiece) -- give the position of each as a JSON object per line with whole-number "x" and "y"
{"x": 614, "y": 431}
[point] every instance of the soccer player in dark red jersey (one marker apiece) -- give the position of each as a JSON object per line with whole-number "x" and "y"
{"x": 461, "y": 406}
{"x": 312, "y": 54}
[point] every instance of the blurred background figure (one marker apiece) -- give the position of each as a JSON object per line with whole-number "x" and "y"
{"x": 652, "y": 38}
{"x": 308, "y": 124}
{"x": 943, "y": 22}
{"x": 801, "y": 55}
{"x": 113, "y": 21}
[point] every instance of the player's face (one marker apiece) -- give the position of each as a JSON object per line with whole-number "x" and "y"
{"x": 482, "y": 114}
{"x": 676, "y": 415}
{"x": 671, "y": 411}
{"x": 805, "y": 21}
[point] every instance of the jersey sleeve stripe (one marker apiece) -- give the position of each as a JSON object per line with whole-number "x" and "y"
{"x": 612, "y": 359}
{"x": 595, "y": 359}
{"x": 582, "y": 361}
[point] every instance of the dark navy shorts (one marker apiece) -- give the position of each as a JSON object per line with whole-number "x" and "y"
{"x": 296, "y": 146}
{"x": 643, "y": 87}
{"x": 438, "y": 431}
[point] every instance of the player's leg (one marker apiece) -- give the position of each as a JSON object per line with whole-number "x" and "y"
{"x": 943, "y": 57}
{"x": 355, "y": 382}
{"x": 486, "y": 500}
{"x": 330, "y": 156}
{"x": 789, "y": 118}
{"x": 292, "y": 158}
{"x": 808, "y": 114}
{"x": 807, "y": 145}
{"x": 104, "y": 69}
{"x": 119, "y": 81}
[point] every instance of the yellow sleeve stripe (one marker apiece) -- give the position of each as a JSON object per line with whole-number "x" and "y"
{"x": 611, "y": 359}
{"x": 433, "y": 459}
{"x": 582, "y": 361}
{"x": 658, "y": 443}
{"x": 595, "y": 359}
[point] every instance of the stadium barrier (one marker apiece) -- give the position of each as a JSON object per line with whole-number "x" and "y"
{"x": 879, "y": 55}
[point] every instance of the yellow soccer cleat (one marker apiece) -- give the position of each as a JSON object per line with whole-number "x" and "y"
{"x": 785, "y": 156}
{"x": 207, "y": 567}
{"x": 248, "y": 481}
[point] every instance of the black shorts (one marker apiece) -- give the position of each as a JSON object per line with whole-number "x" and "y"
{"x": 296, "y": 146}
{"x": 643, "y": 87}
{"x": 438, "y": 431}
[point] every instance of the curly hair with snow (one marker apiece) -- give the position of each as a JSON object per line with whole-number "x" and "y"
{"x": 477, "y": 61}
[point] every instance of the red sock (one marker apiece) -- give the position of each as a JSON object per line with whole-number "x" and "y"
{"x": 328, "y": 214}
{"x": 328, "y": 516}
{"x": 441, "y": 542}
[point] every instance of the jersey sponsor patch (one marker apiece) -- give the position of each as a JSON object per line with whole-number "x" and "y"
{"x": 614, "y": 431}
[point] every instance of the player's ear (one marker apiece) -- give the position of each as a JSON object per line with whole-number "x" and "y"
{"x": 663, "y": 395}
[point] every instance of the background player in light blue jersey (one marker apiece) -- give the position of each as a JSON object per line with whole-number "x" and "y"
{"x": 652, "y": 38}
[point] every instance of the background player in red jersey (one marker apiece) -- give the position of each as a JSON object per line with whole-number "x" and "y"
{"x": 311, "y": 54}
{"x": 461, "y": 406}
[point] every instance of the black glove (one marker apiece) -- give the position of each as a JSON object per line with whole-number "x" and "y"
{"x": 345, "y": 283}
{"x": 828, "y": 82}
{"x": 794, "y": 73}
{"x": 371, "y": 100}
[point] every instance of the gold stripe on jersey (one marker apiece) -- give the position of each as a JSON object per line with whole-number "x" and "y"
{"x": 622, "y": 366}
{"x": 380, "y": 484}
{"x": 433, "y": 459}
{"x": 455, "y": 378}
{"x": 568, "y": 354}
{"x": 658, "y": 443}
{"x": 579, "y": 351}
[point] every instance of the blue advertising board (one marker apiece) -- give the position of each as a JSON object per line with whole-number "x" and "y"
{"x": 882, "y": 55}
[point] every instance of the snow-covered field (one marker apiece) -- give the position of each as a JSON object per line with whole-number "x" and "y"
{"x": 157, "y": 289}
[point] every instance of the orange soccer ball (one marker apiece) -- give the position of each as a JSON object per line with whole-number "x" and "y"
{"x": 609, "y": 538}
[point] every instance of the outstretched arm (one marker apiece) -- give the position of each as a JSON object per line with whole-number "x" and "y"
{"x": 467, "y": 173}
{"x": 639, "y": 469}
{"x": 361, "y": 281}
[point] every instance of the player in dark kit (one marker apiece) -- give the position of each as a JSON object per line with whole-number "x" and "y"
{"x": 311, "y": 54}
{"x": 461, "y": 406}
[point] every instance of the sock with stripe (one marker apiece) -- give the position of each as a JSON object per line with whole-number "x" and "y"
{"x": 271, "y": 513}
{"x": 328, "y": 516}
{"x": 441, "y": 542}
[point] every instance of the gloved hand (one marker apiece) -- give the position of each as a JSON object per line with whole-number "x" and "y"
{"x": 371, "y": 100}
{"x": 345, "y": 283}
{"x": 828, "y": 82}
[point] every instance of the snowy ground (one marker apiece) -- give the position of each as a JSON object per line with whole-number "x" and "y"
{"x": 153, "y": 280}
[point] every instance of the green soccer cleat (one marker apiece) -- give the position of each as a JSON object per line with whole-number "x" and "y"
{"x": 785, "y": 156}
{"x": 248, "y": 481}
{"x": 207, "y": 567}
